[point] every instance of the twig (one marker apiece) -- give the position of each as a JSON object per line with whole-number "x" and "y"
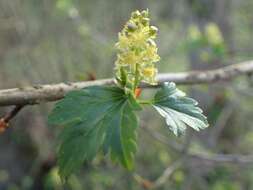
{"x": 169, "y": 171}
{"x": 166, "y": 174}
{"x": 163, "y": 178}
{"x": 212, "y": 158}
{"x": 147, "y": 184}
{"x": 221, "y": 122}
{"x": 163, "y": 139}
{"x": 44, "y": 93}
{"x": 4, "y": 121}
{"x": 223, "y": 158}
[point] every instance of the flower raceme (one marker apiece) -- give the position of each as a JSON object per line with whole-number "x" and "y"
{"x": 137, "y": 51}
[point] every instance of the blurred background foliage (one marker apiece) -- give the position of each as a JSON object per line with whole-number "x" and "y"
{"x": 51, "y": 41}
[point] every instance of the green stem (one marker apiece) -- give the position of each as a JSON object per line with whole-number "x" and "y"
{"x": 136, "y": 77}
{"x": 146, "y": 102}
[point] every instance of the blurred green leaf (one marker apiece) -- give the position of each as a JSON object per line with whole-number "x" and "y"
{"x": 64, "y": 5}
{"x": 226, "y": 185}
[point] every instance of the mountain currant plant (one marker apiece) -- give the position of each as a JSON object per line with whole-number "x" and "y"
{"x": 103, "y": 118}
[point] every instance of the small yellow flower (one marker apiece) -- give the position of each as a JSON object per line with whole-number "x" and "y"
{"x": 149, "y": 73}
{"x": 123, "y": 42}
{"x": 129, "y": 57}
{"x": 151, "y": 54}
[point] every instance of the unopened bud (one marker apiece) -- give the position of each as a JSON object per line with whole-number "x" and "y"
{"x": 151, "y": 42}
{"x": 153, "y": 31}
{"x": 136, "y": 14}
{"x": 145, "y": 21}
{"x": 131, "y": 26}
{"x": 144, "y": 13}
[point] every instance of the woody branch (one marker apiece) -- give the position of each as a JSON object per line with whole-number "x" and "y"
{"x": 52, "y": 92}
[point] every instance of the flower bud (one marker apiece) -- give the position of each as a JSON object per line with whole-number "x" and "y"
{"x": 151, "y": 42}
{"x": 144, "y": 13}
{"x": 145, "y": 21}
{"x": 153, "y": 31}
{"x": 136, "y": 14}
{"x": 131, "y": 27}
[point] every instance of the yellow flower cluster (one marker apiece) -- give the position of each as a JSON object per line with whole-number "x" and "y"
{"x": 137, "y": 51}
{"x": 213, "y": 34}
{"x": 194, "y": 33}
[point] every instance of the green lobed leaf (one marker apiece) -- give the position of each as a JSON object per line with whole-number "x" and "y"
{"x": 93, "y": 118}
{"x": 178, "y": 110}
